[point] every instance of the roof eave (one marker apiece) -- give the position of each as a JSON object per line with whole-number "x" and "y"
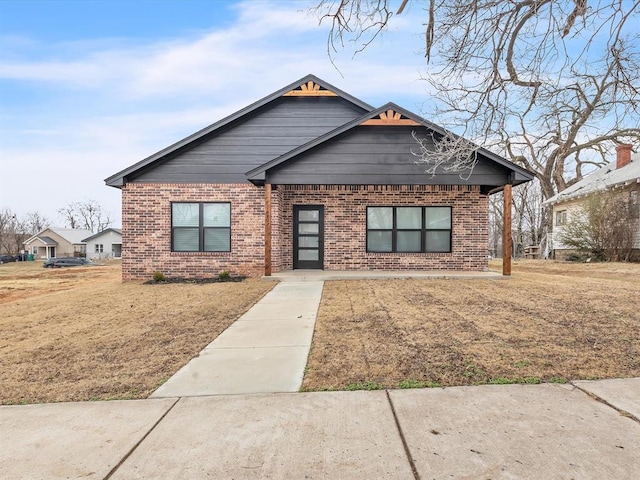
{"x": 521, "y": 175}
{"x": 106, "y": 230}
{"x": 118, "y": 179}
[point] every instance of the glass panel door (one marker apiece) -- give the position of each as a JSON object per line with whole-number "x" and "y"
{"x": 308, "y": 236}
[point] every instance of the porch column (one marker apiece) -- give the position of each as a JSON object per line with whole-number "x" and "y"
{"x": 267, "y": 229}
{"x": 506, "y": 232}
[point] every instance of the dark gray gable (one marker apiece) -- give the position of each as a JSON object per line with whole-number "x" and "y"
{"x": 266, "y": 129}
{"x": 376, "y": 149}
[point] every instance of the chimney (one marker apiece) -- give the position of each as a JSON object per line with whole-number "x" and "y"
{"x": 623, "y": 155}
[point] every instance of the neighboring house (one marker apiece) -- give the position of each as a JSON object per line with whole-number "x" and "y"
{"x": 308, "y": 177}
{"x": 57, "y": 242}
{"x": 621, "y": 176}
{"x": 105, "y": 244}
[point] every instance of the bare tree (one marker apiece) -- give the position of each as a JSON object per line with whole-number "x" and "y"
{"x": 35, "y": 222}
{"x": 551, "y": 84}
{"x": 87, "y": 214}
{"x": 15, "y": 229}
{"x": 496, "y": 221}
{"x": 7, "y": 219}
{"x": 448, "y": 153}
{"x": 69, "y": 215}
{"x": 528, "y": 217}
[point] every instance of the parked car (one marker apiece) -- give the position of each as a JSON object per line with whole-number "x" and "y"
{"x": 67, "y": 262}
{"x": 7, "y": 258}
{"x": 90, "y": 263}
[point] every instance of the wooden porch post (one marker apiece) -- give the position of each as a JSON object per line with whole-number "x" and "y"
{"x": 267, "y": 229}
{"x": 506, "y": 232}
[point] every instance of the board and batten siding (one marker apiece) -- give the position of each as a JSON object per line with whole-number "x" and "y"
{"x": 271, "y": 131}
{"x": 374, "y": 155}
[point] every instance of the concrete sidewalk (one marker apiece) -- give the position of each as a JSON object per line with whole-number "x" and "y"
{"x": 264, "y": 351}
{"x": 581, "y": 431}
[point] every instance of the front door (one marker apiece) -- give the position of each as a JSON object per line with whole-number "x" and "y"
{"x": 308, "y": 236}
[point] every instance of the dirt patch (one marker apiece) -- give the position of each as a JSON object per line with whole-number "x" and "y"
{"x": 551, "y": 322}
{"x": 81, "y": 334}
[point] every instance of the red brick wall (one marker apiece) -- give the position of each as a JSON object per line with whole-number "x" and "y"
{"x": 345, "y": 225}
{"x": 277, "y": 259}
{"x": 146, "y": 221}
{"x": 146, "y": 231}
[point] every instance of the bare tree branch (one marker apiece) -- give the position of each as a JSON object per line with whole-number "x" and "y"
{"x": 87, "y": 215}
{"x": 553, "y": 85}
{"x": 15, "y": 229}
{"x": 446, "y": 154}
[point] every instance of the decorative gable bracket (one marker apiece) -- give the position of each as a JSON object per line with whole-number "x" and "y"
{"x": 309, "y": 89}
{"x": 390, "y": 117}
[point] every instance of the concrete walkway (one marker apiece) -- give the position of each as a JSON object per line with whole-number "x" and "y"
{"x": 264, "y": 351}
{"x": 588, "y": 430}
{"x": 326, "y": 275}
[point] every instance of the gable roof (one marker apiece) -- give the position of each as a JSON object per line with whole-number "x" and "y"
{"x": 48, "y": 241}
{"x": 118, "y": 179}
{"x": 103, "y": 232}
{"x": 71, "y": 235}
{"x": 402, "y": 117}
{"x": 602, "y": 179}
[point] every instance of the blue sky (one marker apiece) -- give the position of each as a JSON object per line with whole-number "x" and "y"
{"x": 88, "y": 88}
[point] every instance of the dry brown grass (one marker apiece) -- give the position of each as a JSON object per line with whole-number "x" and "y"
{"x": 80, "y": 334}
{"x": 551, "y": 321}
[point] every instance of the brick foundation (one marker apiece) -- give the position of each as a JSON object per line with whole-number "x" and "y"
{"x": 146, "y": 235}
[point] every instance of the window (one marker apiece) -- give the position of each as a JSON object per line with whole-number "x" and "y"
{"x": 409, "y": 229}
{"x": 561, "y": 217}
{"x": 34, "y": 250}
{"x": 201, "y": 227}
{"x": 99, "y": 248}
{"x": 634, "y": 204}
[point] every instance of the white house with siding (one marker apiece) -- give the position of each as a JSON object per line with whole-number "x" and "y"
{"x": 105, "y": 244}
{"x": 622, "y": 175}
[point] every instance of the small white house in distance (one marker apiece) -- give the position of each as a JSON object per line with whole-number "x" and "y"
{"x": 105, "y": 244}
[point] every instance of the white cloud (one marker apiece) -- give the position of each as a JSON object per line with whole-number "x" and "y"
{"x": 102, "y": 105}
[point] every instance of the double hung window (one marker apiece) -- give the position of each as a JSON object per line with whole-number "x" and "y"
{"x": 409, "y": 229}
{"x": 200, "y": 227}
{"x": 561, "y": 217}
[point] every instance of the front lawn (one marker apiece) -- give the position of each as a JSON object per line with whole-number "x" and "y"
{"x": 80, "y": 334}
{"x": 551, "y": 321}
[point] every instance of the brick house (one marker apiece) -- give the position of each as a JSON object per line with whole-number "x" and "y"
{"x": 308, "y": 177}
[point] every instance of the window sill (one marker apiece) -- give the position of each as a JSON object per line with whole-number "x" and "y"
{"x": 200, "y": 254}
{"x": 408, "y": 254}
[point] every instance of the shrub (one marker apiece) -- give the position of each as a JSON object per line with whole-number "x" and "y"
{"x": 602, "y": 227}
{"x": 159, "y": 277}
{"x": 574, "y": 257}
{"x": 225, "y": 275}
